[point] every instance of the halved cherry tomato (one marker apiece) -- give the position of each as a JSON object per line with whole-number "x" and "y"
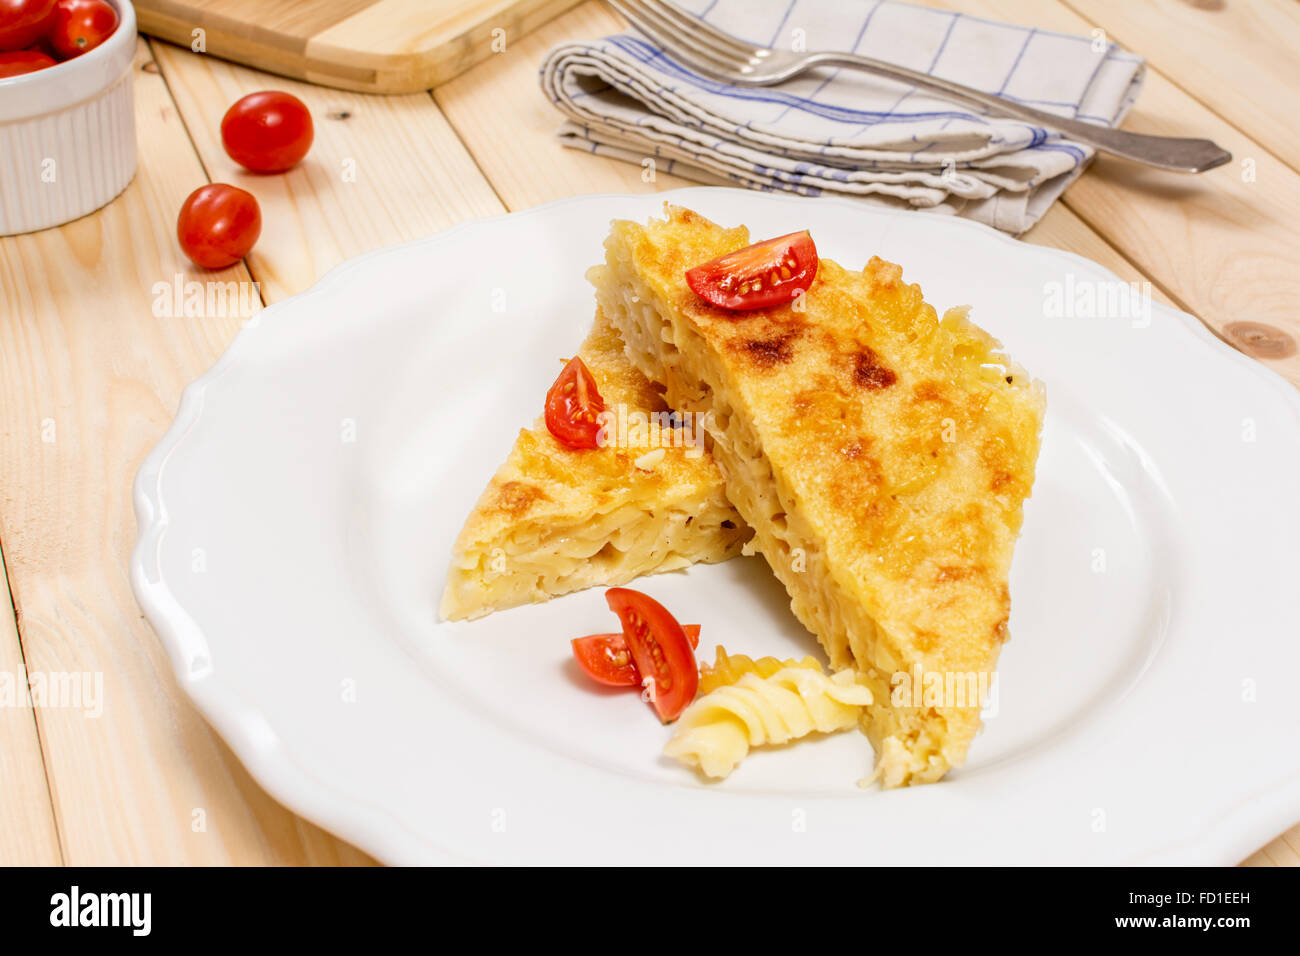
{"x": 24, "y": 22}
{"x": 660, "y": 648}
{"x": 80, "y": 26}
{"x": 572, "y": 405}
{"x": 764, "y": 274}
{"x": 218, "y": 225}
{"x": 606, "y": 659}
{"x": 18, "y": 62}
{"x": 267, "y": 132}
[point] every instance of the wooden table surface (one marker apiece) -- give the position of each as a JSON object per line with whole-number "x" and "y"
{"x": 90, "y": 377}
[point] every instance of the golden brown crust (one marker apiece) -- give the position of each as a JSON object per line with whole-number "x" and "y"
{"x": 544, "y": 479}
{"x": 551, "y": 501}
{"x": 904, "y": 444}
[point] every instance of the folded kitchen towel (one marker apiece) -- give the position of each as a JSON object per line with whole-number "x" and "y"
{"x": 844, "y": 132}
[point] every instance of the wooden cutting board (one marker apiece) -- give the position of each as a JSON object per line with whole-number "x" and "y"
{"x": 374, "y": 46}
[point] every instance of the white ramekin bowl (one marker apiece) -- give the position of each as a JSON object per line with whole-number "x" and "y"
{"x": 67, "y": 134}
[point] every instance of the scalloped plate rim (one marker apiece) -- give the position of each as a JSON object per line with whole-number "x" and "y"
{"x": 372, "y": 828}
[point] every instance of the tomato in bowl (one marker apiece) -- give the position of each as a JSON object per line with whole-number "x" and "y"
{"x": 68, "y": 128}
{"x": 25, "y": 23}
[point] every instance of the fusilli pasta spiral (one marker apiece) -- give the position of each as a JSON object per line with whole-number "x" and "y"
{"x": 715, "y": 733}
{"x": 729, "y": 668}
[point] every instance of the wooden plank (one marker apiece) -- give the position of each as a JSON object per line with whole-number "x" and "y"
{"x": 287, "y": 24}
{"x": 269, "y": 35}
{"x": 28, "y": 836}
{"x": 1225, "y": 244}
{"x": 382, "y": 170}
{"x": 1284, "y": 851}
{"x": 453, "y": 43}
{"x": 372, "y": 46}
{"x": 1226, "y": 250}
{"x": 509, "y": 126}
{"x": 1239, "y": 59}
{"x": 89, "y": 379}
{"x": 114, "y": 384}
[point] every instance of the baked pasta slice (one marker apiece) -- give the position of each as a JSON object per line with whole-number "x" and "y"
{"x": 881, "y": 454}
{"x": 554, "y": 519}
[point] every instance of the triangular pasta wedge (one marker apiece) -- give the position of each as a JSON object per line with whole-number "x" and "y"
{"x": 554, "y": 519}
{"x": 881, "y": 454}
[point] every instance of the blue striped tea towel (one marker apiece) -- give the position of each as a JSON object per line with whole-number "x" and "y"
{"x": 843, "y": 132}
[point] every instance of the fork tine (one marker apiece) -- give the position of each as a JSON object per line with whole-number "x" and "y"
{"x": 683, "y": 47}
{"x": 692, "y": 25}
{"x": 634, "y": 16}
{"x": 641, "y": 21}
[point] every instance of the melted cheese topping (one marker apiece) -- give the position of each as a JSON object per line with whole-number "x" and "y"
{"x": 881, "y": 454}
{"x": 554, "y": 519}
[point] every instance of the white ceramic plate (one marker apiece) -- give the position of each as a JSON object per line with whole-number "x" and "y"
{"x": 296, "y": 521}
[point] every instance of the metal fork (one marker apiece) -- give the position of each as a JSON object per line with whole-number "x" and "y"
{"x": 705, "y": 49}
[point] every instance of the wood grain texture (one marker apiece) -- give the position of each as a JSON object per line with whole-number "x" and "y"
{"x": 372, "y": 46}
{"x": 507, "y": 124}
{"x": 1227, "y": 250}
{"x": 1284, "y": 851}
{"x": 382, "y": 170}
{"x": 509, "y": 127}
{"x": 107, "y": 372}
{"x": 1238, "y": 58}
{"x": 1225, "y": 244}
{"x": 28, "y": 836}
{"x": 91, "y": 379}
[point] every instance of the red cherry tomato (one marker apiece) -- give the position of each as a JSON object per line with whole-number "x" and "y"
{"x": 606, "y": 659}
{"x": 18, "y": 62}
{"x": 767, "y": 273}
{"x": 24, "y": 22}
{"x": 660, "y": 648}
{"x": 80, "y": 26}
{"x": 267, "y": 132}
{"x": 572, "y": 406}
{"x": 218, "y": 225}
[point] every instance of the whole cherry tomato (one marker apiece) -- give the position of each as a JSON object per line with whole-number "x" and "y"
{"x": 80, "y": 26}
{"x": 24, "y": 22}
{"x": 18, "y": 62}
{"x": 218, "y": 225}
{"x": 267, "y": 132}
